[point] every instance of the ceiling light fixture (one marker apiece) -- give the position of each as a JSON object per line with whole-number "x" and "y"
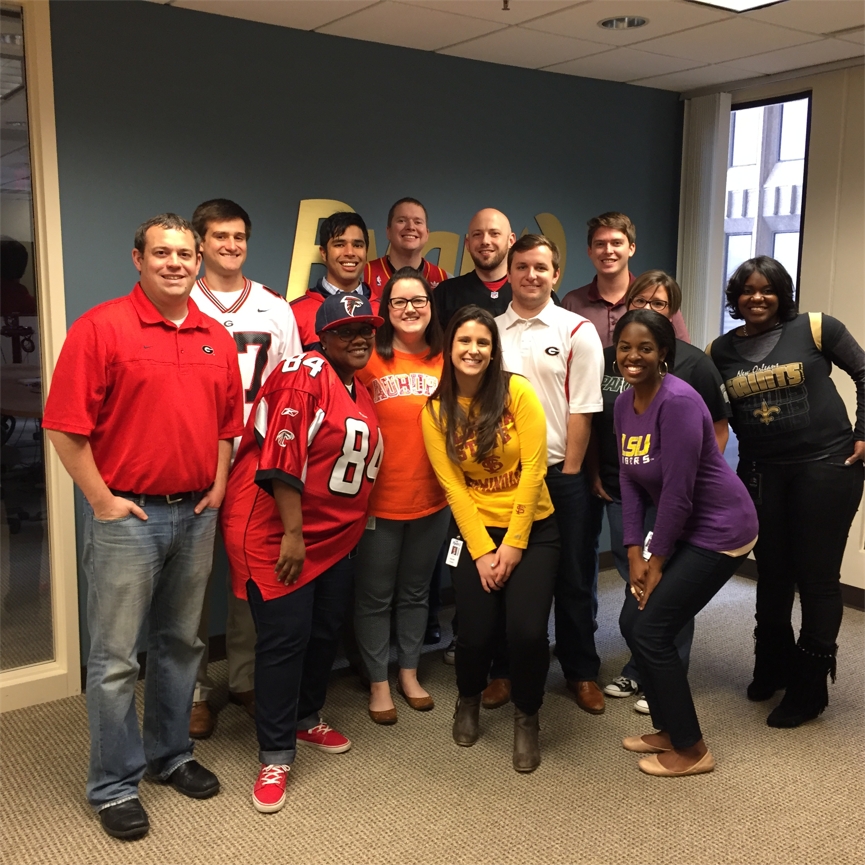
{"x": 626, "y": 22}
{"x": 738, "y": 5}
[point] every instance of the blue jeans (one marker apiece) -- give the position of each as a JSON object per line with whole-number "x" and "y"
{"x": 298, "y": 637}
{"x": 139, "y": 572}
{"x": 575, "y": 580}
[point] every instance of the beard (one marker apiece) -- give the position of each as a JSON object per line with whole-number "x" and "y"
{"x": 493, "y": 263}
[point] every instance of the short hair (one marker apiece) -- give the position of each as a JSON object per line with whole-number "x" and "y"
{"x": 219, "y": 210}
{"x": 396, "y": 204}
{"x": 615, "y": 220}
{"x": 656, "y": 277}
{"x": 434, "y": 335}
{"x": 165, "y": 220}
{"x": 533, "y": 241}
{"x": 13, "y": 258}
{"x": 775, "y": 274}
{"x": 336, "y": 224}
{"x": 660, "y": 327}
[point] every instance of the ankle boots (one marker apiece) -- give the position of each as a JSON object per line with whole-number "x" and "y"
{"x": 527, "y": 749}
{"x": 774, "y": 651}
{"x": 807, "y": 694}
{"x": 466, "y": 716}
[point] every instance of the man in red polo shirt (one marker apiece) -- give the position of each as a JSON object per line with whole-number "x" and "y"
{"x": 407, "y": 233}
{"x": 144, "y": 405}
{"x": 612, "y": 243}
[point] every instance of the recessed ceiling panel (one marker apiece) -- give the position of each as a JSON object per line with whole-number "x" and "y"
{"x": 622, "y": 64}
{"x": 824, "y": 51}
{"x": 491, "y": 10}
{"x": 704, "y": 76}
{"x": 813, "y": 16}
{"x": 300, "y": 14}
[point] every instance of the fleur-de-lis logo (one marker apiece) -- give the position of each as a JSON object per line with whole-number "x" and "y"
{"x": 766, "y": 413}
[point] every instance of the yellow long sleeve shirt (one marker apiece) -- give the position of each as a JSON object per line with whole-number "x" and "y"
{"x": 505, "y": 490}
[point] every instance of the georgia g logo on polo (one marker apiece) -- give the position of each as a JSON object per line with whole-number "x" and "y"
{"x": 351, "y": 302}
{"x": 283, "y": 437}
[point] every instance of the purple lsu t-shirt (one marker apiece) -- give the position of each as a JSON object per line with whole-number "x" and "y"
{"x": 669, "y": 452}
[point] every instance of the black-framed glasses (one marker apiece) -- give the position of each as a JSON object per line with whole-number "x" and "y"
{"x": 418, "y": 302}
{"x": 642, "y": 303}
{"x": 348, "y": 333}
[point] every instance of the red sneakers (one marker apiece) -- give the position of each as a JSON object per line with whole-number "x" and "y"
{"x": 268, "y": 794}
{"x": 324, "y": 738}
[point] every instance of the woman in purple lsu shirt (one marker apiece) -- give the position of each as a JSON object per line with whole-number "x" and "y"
{"x": 706, "y": 525}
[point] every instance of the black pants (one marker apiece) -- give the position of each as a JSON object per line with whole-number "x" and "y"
{"x": 526, "y": 597}
{"x": 692, "y": 577}
{"x": 805, "y": 512}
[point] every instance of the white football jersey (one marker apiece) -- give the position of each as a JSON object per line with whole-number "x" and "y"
{"x": 263, "y": 327}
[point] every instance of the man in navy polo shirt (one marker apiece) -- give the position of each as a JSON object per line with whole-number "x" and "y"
{"x": 145, "y": 402}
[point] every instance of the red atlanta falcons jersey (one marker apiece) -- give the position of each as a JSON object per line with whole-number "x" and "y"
{"x": 378, "y": 272}
{"x": 306, "y": 431}
{"x": 263, "y": 327}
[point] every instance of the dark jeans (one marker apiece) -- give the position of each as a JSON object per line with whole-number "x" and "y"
{"x": 298, "y": 636}
{"x": 576, "y": 580}
{"x": 526, "y": 598}
{"x": 692, "y": 577}
{"x": 805, "y": 514}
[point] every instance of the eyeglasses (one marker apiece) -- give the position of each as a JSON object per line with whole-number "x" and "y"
{"x": 642, "y": 303}
{"x": 418, "y": 302}
{"x": 348, "y": 333}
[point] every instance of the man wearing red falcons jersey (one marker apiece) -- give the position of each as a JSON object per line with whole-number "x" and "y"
{"x": 407, "y": 233}
{"x": 264, "y": 331}
{"x": 294, "y": 512}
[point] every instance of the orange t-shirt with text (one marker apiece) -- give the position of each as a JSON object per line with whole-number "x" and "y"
{"x": 406, "y": 486}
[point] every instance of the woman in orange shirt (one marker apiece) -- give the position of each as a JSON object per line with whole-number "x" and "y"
{"x": 408, "y": 517}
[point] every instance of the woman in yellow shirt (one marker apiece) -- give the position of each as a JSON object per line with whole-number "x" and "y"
{"x": 486, "y": 437}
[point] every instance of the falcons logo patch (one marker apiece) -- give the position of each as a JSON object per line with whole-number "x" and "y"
{"x": 351, "y": 302}
{"x": 283, "y": 437}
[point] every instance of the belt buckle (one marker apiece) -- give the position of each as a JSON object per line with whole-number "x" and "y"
{"x": 174, "y": 501}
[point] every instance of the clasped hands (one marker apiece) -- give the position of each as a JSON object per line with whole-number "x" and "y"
{"x": 496, "y": 567}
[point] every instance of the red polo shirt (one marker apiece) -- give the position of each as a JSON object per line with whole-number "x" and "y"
{"x": 154, "y": 399}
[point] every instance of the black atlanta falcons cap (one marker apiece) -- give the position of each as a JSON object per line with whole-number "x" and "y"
{"x": 345, "y": 308}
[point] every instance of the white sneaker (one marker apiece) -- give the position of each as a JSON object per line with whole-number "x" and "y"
{"x": 622, "y": 687}
{"x": 642, "y": 706}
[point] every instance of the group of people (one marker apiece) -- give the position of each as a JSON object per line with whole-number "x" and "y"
{"x": 394, "y": 418}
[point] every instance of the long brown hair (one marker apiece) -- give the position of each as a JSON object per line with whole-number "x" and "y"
{"x": 384, "y": 334}
{"x": 483, "y": 419}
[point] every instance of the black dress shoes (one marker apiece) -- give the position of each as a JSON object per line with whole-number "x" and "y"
{"x": 127, "y": 820}
{"x": 193, "y": 780}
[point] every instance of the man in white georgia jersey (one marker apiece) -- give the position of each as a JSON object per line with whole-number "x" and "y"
{"x": 265, "y": 333}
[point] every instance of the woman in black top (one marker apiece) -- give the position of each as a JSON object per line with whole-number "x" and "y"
{"x": 802, "y": 462}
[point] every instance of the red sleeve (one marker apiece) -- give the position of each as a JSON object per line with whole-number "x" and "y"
{"x": 79, "y": 382}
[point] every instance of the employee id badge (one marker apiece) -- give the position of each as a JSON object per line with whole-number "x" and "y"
{"x": 370, "y": 521}
{"x": 646, "y": 554}
{"x": 454, "y": 549}
{"x": 754, "y": 484}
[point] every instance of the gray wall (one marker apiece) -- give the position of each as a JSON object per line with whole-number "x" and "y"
{"x": 161, "y": 108}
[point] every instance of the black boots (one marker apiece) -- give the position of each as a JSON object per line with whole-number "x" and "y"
{"x": 774, "y": 652}
{"x": 807, "y": 694}
{"x": 527, "y": 749}
{"x": 466, "y": 719}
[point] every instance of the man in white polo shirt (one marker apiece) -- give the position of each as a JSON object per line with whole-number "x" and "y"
{"x": 560, "y": 353}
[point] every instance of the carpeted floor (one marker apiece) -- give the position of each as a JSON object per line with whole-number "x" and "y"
{"x": 407, "y": 794}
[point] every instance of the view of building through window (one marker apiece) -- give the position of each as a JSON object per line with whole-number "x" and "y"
{"x": 765, "y": 186}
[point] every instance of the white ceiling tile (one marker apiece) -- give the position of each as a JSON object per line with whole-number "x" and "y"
{"x": 518, "y": 47}
{"x": 491, "y": 10}
{"x": 300, "y": 14}
{"x": 824, "y": 51}
{"x": 664, "y": 16}
{"x": 703, "y": 76}
{"x": 813, "y": 16}
{"x": 857, "y": 36}
{"x": 726, "y": 40}
{"x": 409, "y": 25}
{"x": 622, "y": 64}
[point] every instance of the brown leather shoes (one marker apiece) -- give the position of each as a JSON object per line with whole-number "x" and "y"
{"x": 419, "y": 704}
{"x": 589, "y": 697}
{"x": 496, "y": 694}
{"x": 245, "y": 699}
{"x": 385, "y": 717}
{"x": 200, "y": 720}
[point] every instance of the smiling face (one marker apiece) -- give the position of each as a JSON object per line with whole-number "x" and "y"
{"x": 344, "y": 258}
{"x": 349, "y": 355}
{"x": 610, "y": 251}
{"x": 532, "y": 276}
{"x": 758, "y": 304}
{"x": 471, "y": 352}
{"x": 168, "y": 266}
{"x": 637, "y": 355}
{"x": 409, "y": 321}
{"x": 223, "y": 247}
{"x": 651, "y": 297}
{"x": 488, "y": 240}
{"x": 408, "y": 231}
